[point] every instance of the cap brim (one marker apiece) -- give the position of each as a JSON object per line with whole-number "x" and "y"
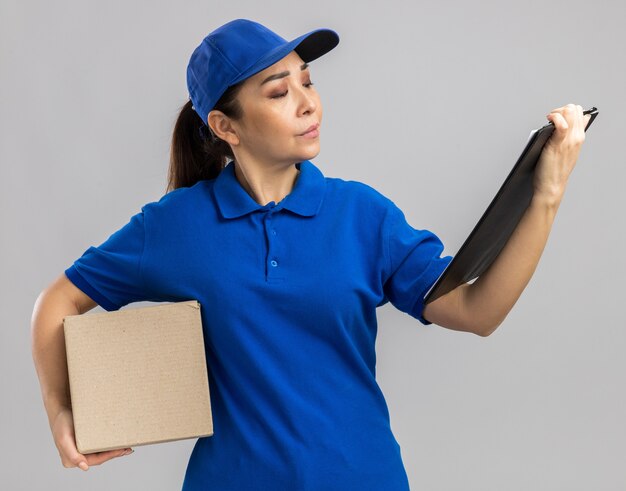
{"x": 316, "y": 43}
{"x": 309, "y": 47}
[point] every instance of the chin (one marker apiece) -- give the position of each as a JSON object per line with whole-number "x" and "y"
{"x": 309, "y": 155}
{"x": 311, "y": 150}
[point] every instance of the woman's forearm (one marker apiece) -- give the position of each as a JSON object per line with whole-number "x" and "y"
{"x": 490, "y": 298}
{"x": 48, "y": 349}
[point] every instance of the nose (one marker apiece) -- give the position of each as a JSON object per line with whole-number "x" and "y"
{"x": 307, "y": 101}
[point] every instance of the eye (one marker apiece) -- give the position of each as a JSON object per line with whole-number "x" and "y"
{"x": 278, "y": 96}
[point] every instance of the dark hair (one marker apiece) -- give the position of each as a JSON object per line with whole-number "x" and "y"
{"x": 195, "y": 154}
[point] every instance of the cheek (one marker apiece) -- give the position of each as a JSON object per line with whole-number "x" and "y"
{"x": 259, "y": 123}
{"x": 276, "y": 122}
{"x": 271, "y": 119}
{"x": 270, "y": 129}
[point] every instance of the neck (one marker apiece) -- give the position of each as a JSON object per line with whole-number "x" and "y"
{"x": 265, "y": 184}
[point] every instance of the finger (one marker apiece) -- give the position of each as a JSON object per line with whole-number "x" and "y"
{"x": 563, "y": 110}
{"x": 78, "y": 460}
{"x": 101, "y": 457}
{"x": 98, "y": 458}
{"x": 71, "y": 453}
{"x": 558, "y": 120}
{"x": 558, "y": 109}
{"x": 578, "y": 131}
{"x": 560, "y": 128}
{"x": 578, "y": 125}
{"x": 570, "y": 113}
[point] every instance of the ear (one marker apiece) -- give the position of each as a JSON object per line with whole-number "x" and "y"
{"x": 222, "y": 127}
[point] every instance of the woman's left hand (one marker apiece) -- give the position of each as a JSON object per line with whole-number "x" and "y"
{"x": 559, "y": 155}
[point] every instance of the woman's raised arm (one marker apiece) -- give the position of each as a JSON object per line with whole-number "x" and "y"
{"x": 481, "y": 307}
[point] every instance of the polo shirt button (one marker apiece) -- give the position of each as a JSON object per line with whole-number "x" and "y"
{"x": 273, "y": 232}
{"x": 274, "y": 263}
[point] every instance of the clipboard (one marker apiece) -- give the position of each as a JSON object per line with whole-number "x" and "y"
{"x": 498, "y": 222}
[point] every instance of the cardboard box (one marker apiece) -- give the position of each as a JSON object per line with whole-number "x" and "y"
{"x": 138, "y": 376}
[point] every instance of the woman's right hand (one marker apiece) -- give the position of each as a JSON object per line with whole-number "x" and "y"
{"x": 63, "y": 433}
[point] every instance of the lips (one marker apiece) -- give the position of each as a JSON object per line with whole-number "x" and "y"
{"x": 311, "y": 128}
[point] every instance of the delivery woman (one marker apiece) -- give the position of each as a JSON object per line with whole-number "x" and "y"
{"x": 289, "y": 267}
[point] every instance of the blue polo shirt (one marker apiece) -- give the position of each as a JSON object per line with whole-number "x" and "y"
{"x": 288, "y": 295}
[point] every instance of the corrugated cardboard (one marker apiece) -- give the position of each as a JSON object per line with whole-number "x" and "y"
{"x": 138, "y": 376}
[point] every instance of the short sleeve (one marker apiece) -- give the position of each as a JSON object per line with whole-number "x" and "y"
{"x": 111, "y": 273}
{"x": 414, "y": 263}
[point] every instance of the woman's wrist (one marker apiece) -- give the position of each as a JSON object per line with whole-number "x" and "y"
{"x": 54, "y": 405}
{"x": 550, "y": 200}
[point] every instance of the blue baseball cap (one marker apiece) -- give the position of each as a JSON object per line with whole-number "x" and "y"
{"x": 238, "y": 50}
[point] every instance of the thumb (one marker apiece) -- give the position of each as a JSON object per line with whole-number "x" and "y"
{"x": 560, "y": 126}
{"x": 79, "y": 460}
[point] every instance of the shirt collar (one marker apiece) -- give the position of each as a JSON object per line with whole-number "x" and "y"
{"x": 304, "y": 199}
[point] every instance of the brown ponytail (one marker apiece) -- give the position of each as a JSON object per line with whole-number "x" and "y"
{"x": 194, "y": 154}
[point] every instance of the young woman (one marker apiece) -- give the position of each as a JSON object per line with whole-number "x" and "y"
{"x": 289, "y": 266}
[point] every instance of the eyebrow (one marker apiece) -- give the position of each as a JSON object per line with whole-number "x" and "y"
{"x": 304, "y": 66}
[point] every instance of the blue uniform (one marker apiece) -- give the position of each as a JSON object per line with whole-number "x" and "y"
{"x": 288, "y": 295}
